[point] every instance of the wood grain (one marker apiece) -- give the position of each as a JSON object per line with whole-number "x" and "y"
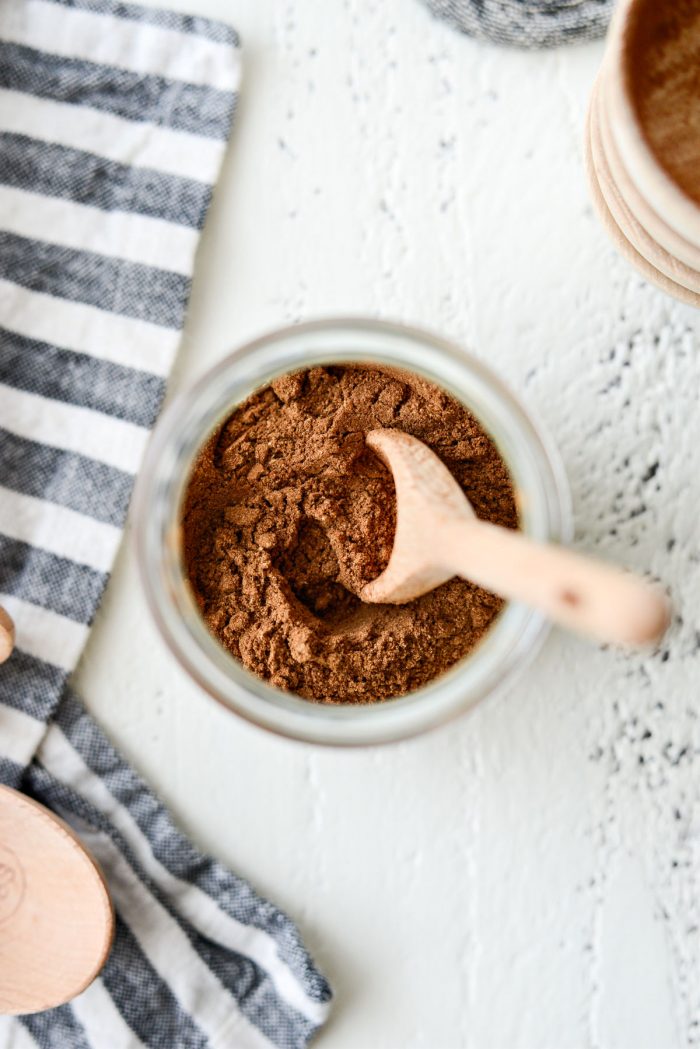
{"x": 639, "y": 237}
{"x": 56, "y": 918}
{"x": 679, "y": 247}
{"x": 622, "y": 242}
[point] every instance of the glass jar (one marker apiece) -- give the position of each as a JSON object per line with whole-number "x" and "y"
{"x": 543, "y": 504}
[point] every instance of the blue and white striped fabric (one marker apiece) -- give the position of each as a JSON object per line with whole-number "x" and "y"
{"x": 526, "y": 23}
{"x": 113, "y": 125}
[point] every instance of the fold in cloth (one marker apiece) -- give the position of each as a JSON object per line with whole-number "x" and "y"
{"x": 113, "y": 125}
{"x": 527, "y": 23}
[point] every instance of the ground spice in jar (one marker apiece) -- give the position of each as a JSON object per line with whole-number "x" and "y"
{"x": 662, "y": 63}
{"x": 288, "y": 514}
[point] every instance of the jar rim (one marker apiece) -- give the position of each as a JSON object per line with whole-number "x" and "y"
{"x": 193, "y": 415}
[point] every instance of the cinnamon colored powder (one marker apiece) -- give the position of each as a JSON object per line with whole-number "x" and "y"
{"x": 662, "y": 65}
{"x": 288, "y": 514}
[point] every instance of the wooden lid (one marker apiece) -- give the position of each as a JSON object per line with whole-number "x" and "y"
{"x": 56, "y": 918}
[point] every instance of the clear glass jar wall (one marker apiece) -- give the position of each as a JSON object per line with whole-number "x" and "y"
{"x": 543, "y": 501}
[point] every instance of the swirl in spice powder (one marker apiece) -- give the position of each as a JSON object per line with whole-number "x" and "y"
{"x": 288, "y": 514}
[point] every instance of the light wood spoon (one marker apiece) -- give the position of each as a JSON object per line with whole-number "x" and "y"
{"x": 56, "y": 919}
{"x": 438, "y": 536}
{"x": 7, "y": 635}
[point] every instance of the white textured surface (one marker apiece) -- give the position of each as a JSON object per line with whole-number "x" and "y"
{"x": 526, "y": 879}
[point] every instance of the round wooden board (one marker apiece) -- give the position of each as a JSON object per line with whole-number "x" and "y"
{"x": 56, "y": 918}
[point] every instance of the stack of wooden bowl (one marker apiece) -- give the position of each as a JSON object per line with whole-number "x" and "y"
{"x": 643, "y": 141}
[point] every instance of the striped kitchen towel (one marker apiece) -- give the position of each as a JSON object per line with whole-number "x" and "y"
{"x": 113, "y": 125}
{"x": 527, "y": 23}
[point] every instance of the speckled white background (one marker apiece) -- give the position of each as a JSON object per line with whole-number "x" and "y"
{"x": 527, "y": 878}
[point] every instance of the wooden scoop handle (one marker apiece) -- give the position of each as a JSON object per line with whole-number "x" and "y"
{"x": 578, "y": 592}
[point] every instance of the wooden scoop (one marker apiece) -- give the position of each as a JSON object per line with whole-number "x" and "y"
{"x": 439, "y": 536}
{"x": 7, "y": 635}
{"x": 56, "y": 919}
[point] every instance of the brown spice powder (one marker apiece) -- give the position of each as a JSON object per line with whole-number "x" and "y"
{"x": 288, "y": 514}
{"x": 662, "y": 61}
